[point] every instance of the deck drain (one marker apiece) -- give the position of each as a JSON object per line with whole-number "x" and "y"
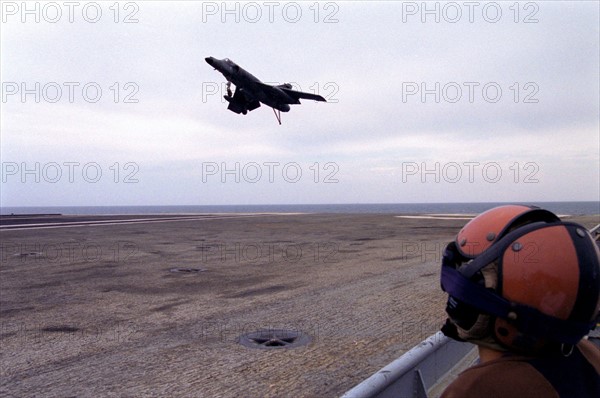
{"x": 187, "y": 270}
{"x": 274, "y": 338}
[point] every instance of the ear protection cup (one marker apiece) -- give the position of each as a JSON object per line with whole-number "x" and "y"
{"x": 509, "y": 336}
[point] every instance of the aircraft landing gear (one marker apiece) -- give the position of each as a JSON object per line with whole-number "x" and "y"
{"x": 229, "y": 93}
{"x": 277, "y": 114}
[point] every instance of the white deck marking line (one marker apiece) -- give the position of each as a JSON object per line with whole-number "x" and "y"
{"x": 7, "y": 227}
{"x": 454, "y": 216}
{"x": 75, "y": 224}
{"x": 436, "y": 217}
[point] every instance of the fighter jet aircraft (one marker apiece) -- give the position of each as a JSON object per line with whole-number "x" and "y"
{"x": 250, "y": 91}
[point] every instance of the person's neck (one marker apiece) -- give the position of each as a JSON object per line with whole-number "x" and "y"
{"x": 487, "y": 354}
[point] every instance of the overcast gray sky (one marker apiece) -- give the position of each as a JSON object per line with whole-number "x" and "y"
{"x": 447, "y": 102}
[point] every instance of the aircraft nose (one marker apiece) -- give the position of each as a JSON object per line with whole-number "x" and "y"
{"x": 210, "y": 60}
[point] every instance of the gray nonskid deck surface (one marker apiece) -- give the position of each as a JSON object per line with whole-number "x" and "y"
{"x": 96, "y": 310}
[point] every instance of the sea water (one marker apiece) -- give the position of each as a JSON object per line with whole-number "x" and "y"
{"x": 565, "y": 208}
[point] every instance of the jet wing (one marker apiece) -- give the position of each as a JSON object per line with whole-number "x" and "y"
{"x": 295, "y": 95}
{"x": 299, "y": 94}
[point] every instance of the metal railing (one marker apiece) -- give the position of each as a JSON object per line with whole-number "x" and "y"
{"x": 416, "y": 372}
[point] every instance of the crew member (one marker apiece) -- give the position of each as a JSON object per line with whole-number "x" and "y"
{"x": 524, "y": 287}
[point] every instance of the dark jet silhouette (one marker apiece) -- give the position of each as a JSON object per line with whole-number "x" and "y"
{"x": 250, "y": 91}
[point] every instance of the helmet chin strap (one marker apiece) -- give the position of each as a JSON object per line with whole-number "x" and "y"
{"x": 450, "y": 329}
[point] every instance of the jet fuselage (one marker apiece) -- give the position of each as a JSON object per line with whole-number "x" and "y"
{"x": 252, "y": 86}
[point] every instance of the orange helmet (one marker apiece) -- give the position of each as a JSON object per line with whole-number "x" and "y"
{"x": 519, "y": 278}
{"x": 482, "y": 231}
